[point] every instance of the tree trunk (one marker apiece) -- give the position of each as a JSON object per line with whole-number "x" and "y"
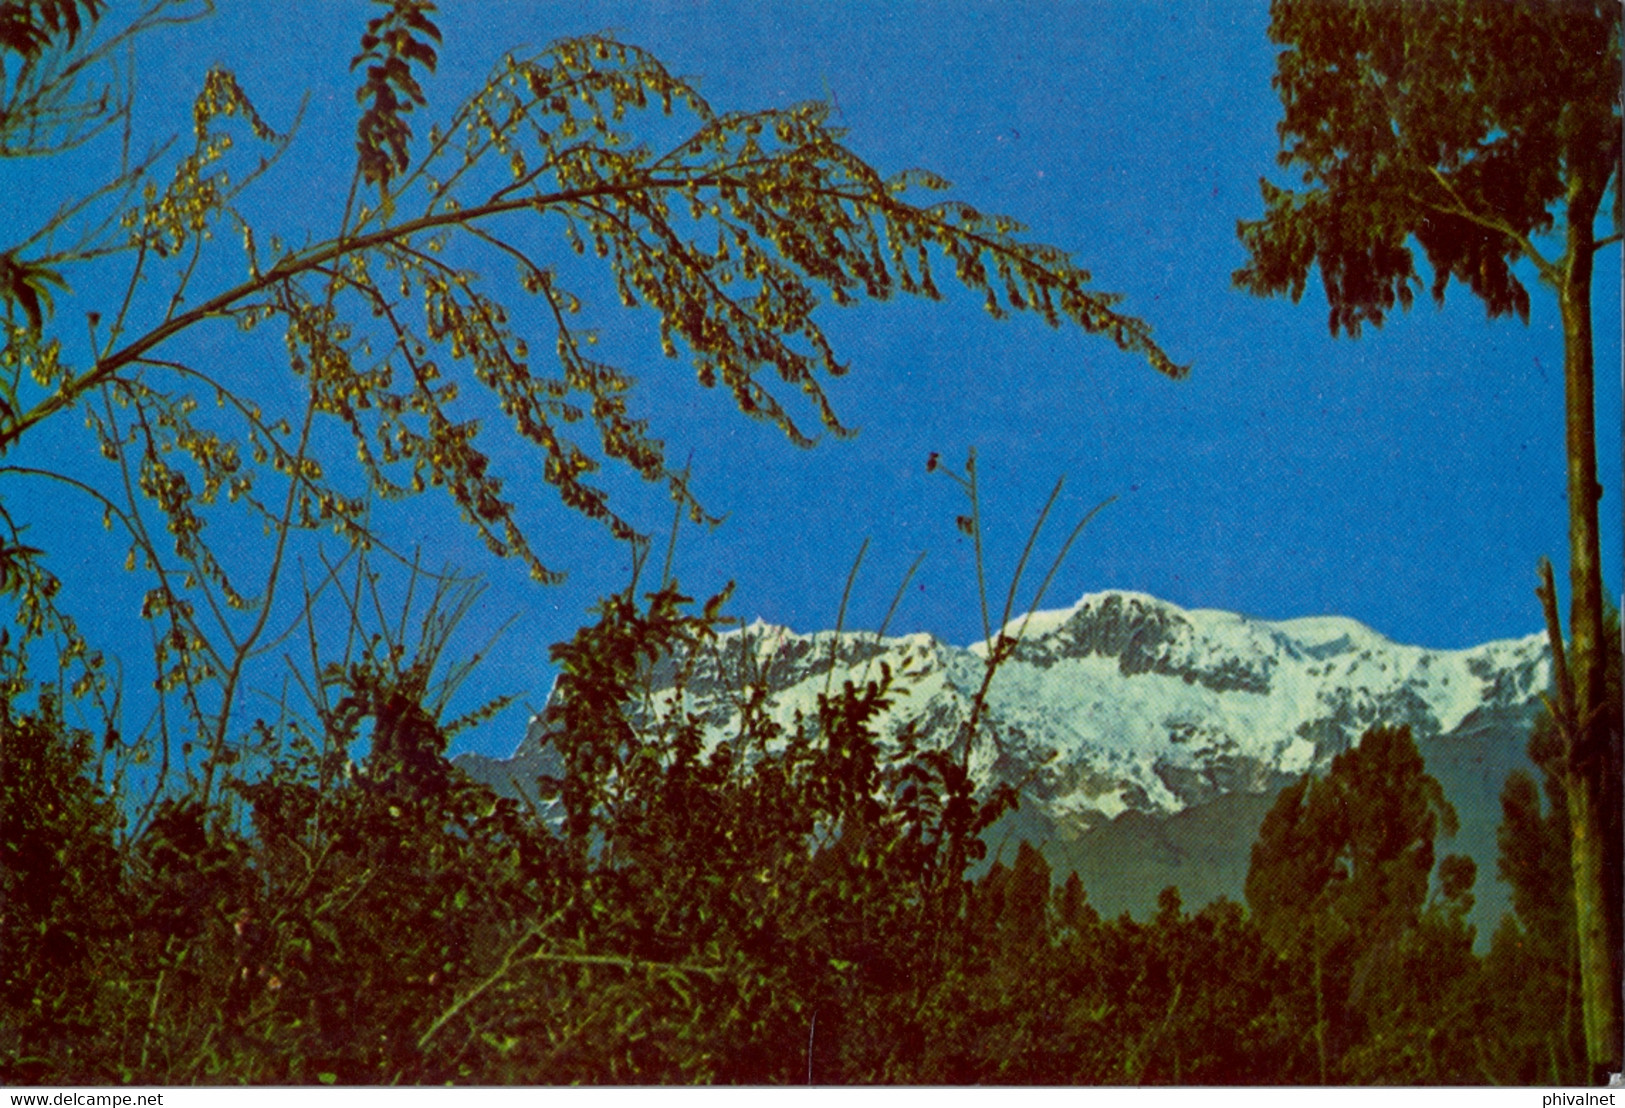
{"x": 1588, "y": 782}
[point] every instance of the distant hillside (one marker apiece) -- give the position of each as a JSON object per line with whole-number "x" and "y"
{"x": 1148, "y": 740}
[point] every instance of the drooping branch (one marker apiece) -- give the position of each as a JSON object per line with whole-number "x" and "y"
{"x": 1550, "y": 271}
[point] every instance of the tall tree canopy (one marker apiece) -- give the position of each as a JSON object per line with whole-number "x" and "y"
{"x": 431, "y": 322}
{"x": 1487, "y": 133}
{"x": 1339, "y": 882}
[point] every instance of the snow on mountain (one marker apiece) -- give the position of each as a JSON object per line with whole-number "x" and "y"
{"x": 1126, "y": 702}
{"x": 1148, "y": 740}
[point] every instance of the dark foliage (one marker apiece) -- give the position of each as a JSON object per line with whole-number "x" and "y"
{"x": 1536, "y": 1036}
{"x": 58, "y": 867}
{"x": 1459, "y": 124}
{"x": 786, "y": 904}
{"x": 1339, "y": 885}
{"x": 789, "y": 905}
{"x": 28, "y": 27}
{"x": 392, "y": 44}
{"x": 1488, "y": 133}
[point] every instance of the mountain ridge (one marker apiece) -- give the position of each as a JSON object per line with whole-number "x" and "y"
{"x": 1124, "y": 703}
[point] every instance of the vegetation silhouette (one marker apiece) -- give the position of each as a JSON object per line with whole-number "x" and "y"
{"x": 1491, "y": 136}
{"x": 230, "y": 894}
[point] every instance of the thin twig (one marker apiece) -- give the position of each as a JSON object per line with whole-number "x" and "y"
{"x": 840, "y": 615}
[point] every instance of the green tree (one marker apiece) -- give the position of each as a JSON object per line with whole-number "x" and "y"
{"x": 61, "y": 888}
{"x": 1534, "y": 969}
{"x": 1488, "y": 133}
{"x": 1339, "y": 883}
{"x": 1534, "y": 1030}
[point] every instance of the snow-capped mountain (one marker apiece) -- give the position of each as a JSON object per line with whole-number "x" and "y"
{"x": 1125, "y": 707}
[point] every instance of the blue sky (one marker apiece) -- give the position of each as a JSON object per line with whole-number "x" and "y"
{"x": 1408, "y": 479}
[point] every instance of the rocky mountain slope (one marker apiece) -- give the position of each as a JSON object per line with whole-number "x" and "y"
{"x": 1148, "y": 740}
